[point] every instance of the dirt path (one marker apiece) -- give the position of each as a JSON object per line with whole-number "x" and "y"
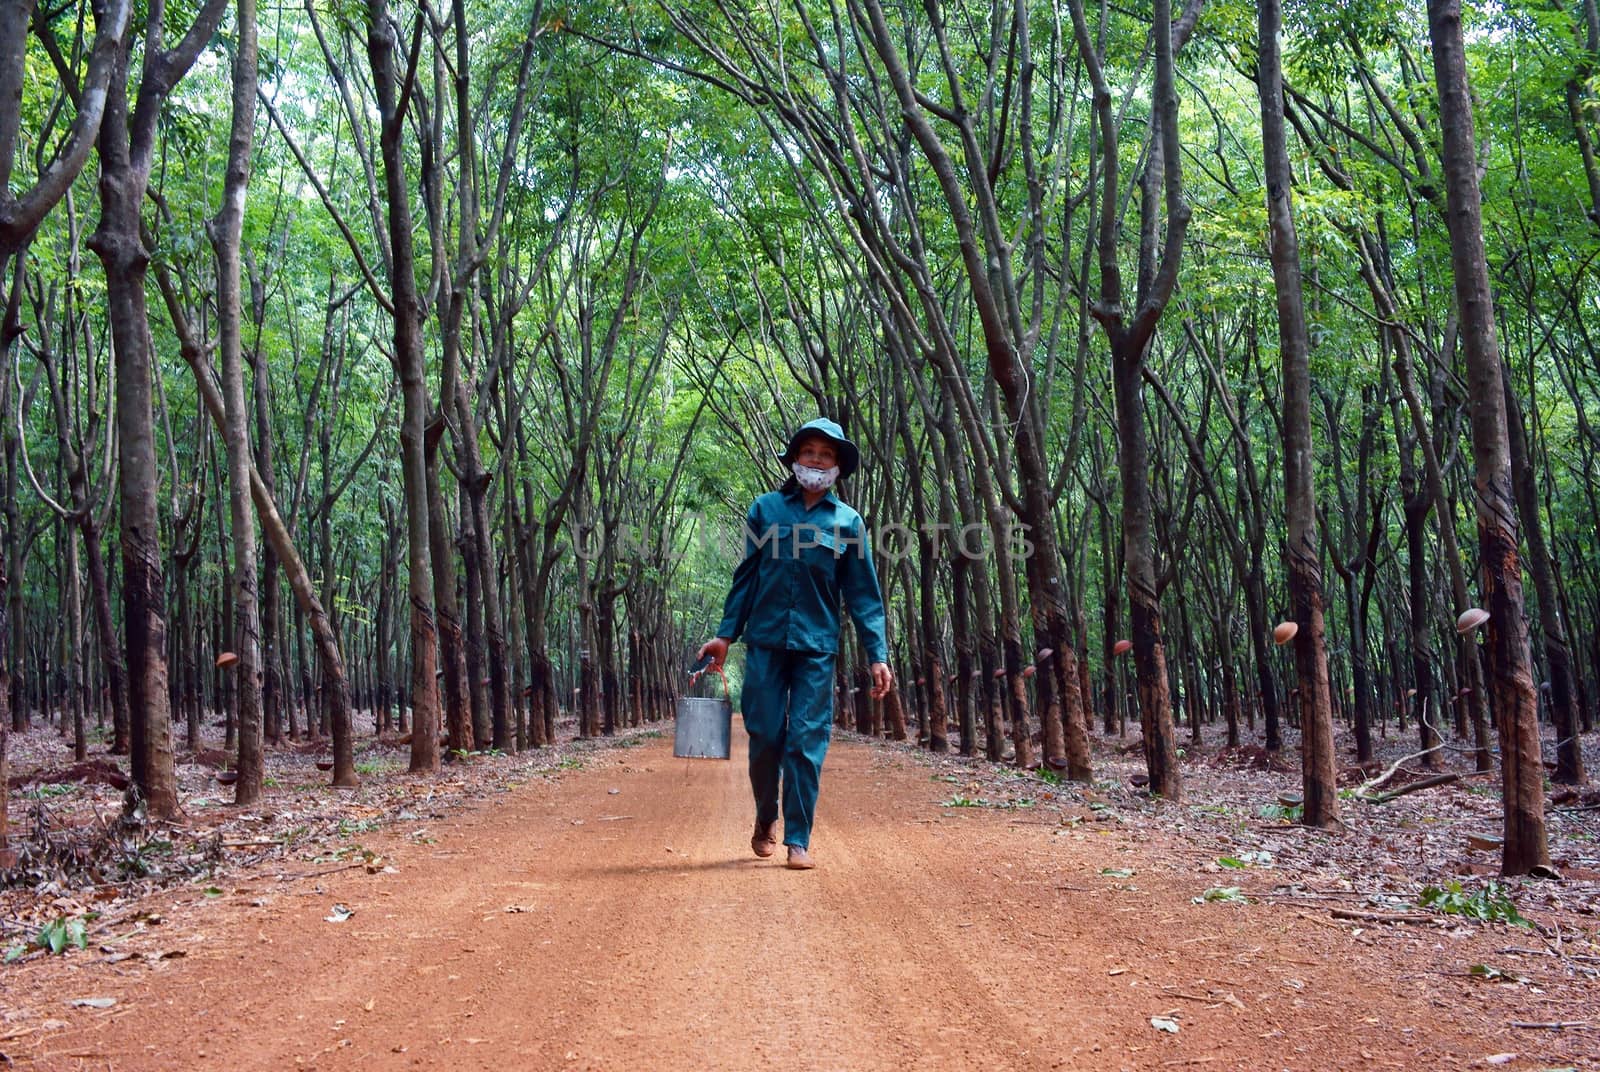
{"x": 616, "y": 919}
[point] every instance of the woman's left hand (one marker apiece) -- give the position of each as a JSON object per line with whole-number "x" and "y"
{"x": 882, "y": 680}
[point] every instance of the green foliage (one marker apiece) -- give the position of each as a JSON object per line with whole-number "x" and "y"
{"x": 1491, "y": 903}
{"x": 1290, "y": 813}
{"x": 1223, "y": 895}
{"x": 961, "y": 800}
{"x": 61, "y": 934}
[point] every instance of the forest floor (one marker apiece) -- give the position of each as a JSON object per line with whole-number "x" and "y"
{"x": 597, "y": 906}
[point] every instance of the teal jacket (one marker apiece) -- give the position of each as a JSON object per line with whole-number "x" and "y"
{"x": 797, "y": 563}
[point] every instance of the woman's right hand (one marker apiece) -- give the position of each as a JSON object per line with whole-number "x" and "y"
{"x": 717, "y": 649}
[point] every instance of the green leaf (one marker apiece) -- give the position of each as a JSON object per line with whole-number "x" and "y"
{"x": 1290, "y": 813}
{"x": 1493, "y": 974}
{"x": 1229, "y": 861}
{"x": 1492, "y": 904}
{"x": 1117, "y": 872}
{"x": 1227, "y": 894}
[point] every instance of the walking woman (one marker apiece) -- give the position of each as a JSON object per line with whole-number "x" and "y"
{"x": 803, "y": 551}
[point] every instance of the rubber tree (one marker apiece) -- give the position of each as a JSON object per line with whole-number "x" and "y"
{"x": 22, "y": 211}
{"x": 1130, "y": 339}
{"x": 1507, "y": 653}
{"x": 394, "y": 91}
{"x": 475, "y": 238}
{"x": 5, "y": 641}
{"x": 128, "y": 140}
{"x": 1304, "y": 561}
{"x": 226, "y": 232}
{"x": 1558, "y": 656}
{"x": 276, "y": 534}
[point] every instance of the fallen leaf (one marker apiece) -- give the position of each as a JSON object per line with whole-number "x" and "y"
{"x": 1228, "y": 894}
{"x": 92, "y": 1003}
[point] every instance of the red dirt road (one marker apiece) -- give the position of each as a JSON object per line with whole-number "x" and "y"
{"x": 616, "y": 919}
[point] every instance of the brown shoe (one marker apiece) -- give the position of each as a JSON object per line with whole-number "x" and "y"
{"x": 765, "y": 840}
{"x": 799, "y": 859}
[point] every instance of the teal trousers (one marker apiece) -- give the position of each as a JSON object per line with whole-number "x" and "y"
{"x": 787, "y": 701}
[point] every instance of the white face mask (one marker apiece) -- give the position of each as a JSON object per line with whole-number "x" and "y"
{"x": 815, "y": 479}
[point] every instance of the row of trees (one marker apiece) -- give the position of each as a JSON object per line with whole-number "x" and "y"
{"x": 489, "y": 322}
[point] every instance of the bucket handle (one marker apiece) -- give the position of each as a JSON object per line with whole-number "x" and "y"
{"x": 698, "y": 671}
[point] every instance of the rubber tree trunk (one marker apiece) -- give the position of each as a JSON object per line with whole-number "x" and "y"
{"x": 1558, "y": 656}
{"x": 226, "y": 233}
{"x": 477, "y": 682}
{"x": 1130, "y": 340}
{"x": 1110, "y": 618}
{"x": 411, "y": 365}
{"x": 452, "y": 637}
{"x": 1419, "y": 586}
{"x": 74, "y": 662}
{"x": 275, "y": 532}
{"x": 127, "y": 147}
{"x": 930, "y": 665}
{"x": 1302, "y": 554}
{"x": 1476, "y": 697}
{"x": 1510, "y": 663}
{"x": 83, "y": 517}
{"x": 992, "y": 291}
{"x": 271, "y": 605}
{"x": 475, "y": 478}
{"x": 1144, "y": 602}
{"x": 383, "y": 685}
{"x": 5, "y": 695}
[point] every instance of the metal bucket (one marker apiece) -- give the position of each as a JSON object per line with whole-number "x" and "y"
{"x": 705, "y": 726}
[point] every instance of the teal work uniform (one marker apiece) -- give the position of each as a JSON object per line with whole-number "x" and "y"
{"x": 784, "y": 603}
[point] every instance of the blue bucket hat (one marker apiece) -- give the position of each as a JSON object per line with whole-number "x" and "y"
{"x": 849, "y": 456}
